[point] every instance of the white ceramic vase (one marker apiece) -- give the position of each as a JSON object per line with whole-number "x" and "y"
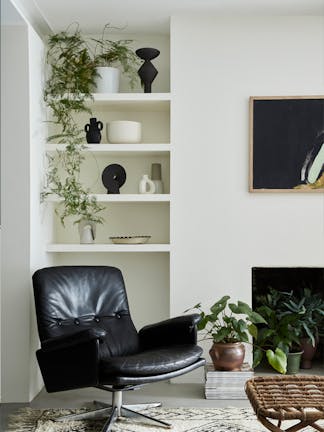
{"x": 87, "y": 231}
{"x": 108, "y": 79}
{"x": 124, "y": 131}
{"x": 146, "y": 186}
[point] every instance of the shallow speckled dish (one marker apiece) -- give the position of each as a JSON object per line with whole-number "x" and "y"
{"x": 130, "y": 239}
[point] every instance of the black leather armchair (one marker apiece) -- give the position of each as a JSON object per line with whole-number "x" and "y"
{"x": 88, "y": 338}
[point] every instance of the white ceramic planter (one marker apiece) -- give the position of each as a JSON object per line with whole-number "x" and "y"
{"x": 87, "y": 231}
{"x": 124, "y": 131}
{"x": 108, "y": 80}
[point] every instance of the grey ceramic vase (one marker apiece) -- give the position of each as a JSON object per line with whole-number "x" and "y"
{"x": 156, "y": 176}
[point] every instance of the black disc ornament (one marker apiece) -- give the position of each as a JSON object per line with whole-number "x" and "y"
{"x": 113, "y": 177}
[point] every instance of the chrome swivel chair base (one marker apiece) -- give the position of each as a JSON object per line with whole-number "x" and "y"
{"x": 115, "y": 411}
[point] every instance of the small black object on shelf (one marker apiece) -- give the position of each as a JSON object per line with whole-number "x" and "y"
{"x": 113, "y": 177}
{"x": 147, "y": 72}
{"x": 93, "y": 129}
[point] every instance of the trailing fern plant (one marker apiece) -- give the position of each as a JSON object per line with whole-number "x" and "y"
{"x": 69, "y": 85}
{"x": 76, "y": 200}
{"x": 70, "y": 81}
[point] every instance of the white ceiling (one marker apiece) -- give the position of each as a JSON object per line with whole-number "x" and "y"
{"x": 154, "y": 15}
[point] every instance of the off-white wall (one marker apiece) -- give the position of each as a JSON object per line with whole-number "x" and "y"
{"x": 219, "y": 229}
{"x": 15, "y": 196}
{"x": 23, "y": 228}
{"x": 39, "y": 225}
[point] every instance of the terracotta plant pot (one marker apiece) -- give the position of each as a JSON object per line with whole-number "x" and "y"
{"x": 227, "y": 356}
{"x": 308, "y": 354}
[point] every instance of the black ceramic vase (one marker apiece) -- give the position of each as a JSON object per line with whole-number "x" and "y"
{"x": 147, "y": 72}
{"x": 93, "y": 129}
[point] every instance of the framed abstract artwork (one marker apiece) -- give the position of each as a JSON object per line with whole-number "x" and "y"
{"x": 287, "y": 144}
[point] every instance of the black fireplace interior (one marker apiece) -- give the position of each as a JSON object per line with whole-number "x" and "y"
{"x": 286, "y": 279}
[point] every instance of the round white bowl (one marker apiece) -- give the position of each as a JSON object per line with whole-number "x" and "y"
{"x": 124, "y": 131}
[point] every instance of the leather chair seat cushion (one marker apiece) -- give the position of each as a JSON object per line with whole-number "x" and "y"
{"x": 150, "y": 362}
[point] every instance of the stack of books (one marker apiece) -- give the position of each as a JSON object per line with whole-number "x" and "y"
{"x": 226, "y": 384}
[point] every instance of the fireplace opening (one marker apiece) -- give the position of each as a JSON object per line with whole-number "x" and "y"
{"x": 291, "y": 279}
{"x": 286, "y": 279}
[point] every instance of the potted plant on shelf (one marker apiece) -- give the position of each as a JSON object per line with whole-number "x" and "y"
{"x": 70, "y": 80}
{"x": 76, "y": 200}
{"x": 229, "y": 325}
{"x": 111, "y": 55}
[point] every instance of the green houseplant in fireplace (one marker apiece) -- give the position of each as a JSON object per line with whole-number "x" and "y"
{"x": 286, "y": 322}
{"x": 229, "y": 326}
{"x": 308, "y": 308}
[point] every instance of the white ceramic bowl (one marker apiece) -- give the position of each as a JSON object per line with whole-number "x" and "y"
{"x": 124, "y": 131}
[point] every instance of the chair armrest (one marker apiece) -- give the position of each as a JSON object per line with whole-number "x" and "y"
{"x": 174, "y": 331}
{"x": 68, "y": 367}
{"x": 73, "y": 339}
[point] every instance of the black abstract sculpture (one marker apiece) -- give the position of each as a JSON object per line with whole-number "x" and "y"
{"x": 113, "y": 177}
{"x": 147, "y": 72}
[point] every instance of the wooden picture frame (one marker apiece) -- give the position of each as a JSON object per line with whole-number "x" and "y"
{"x": 286, "y": 144}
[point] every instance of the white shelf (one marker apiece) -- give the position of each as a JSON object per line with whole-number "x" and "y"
{"x": 118, "y": 149}
{"x": 107, "y": 247}
{"x": 124, "y": 97}
{"x": 141, "y": 104}
{"x": 122, "y": 198}
{"x": 133, "y": 101}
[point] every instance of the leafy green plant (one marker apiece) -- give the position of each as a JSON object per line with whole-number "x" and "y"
{"x": 116, "y": 53}
{"x": 68, "y": 88}
{"x": 76, "y": 199}
{"x": 230, "y": 322}
{"x": 290, "y": 316}
{"x": 309, "y": 308}
{"x": 70, "y": 80}
{"x": 223, "y": 326}
{"x": 283, "y": 327}
{"x": 284, "y": 323}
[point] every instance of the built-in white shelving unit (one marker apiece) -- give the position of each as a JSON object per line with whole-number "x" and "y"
{"x": 130, "y": 213}
{"x": 145, "y": 267}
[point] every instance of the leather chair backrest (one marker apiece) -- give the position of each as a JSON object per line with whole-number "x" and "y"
{"x": 72, "y": 298}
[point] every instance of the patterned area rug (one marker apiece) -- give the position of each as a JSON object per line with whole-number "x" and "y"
{"x": 182, "y": 420}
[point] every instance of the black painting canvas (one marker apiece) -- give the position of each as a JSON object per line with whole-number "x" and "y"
{"x": 287, "y": 144}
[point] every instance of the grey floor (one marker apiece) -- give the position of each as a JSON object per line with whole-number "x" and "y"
{"x": 171, "y": 395}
